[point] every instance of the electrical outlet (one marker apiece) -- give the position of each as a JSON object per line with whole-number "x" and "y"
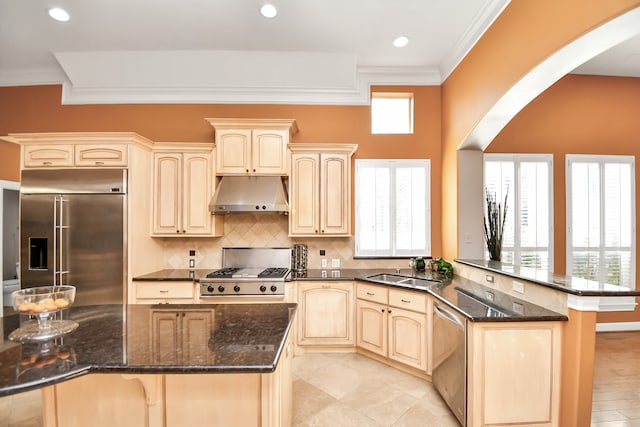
{"x": 192, "y": 263}
{"x": 335, "y": 263}
{"x": 488, "y": 278}
{"x": 517, "y": 287}
{"x": 490, "y": 296}
{"x": 518, "y": 308}
{"x": 323, "y": 263}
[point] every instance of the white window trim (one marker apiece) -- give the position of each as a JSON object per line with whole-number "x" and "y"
{"x": 517, "y": 159}
{"x": 601, "y": 160}
{"x": 393, "y": 252}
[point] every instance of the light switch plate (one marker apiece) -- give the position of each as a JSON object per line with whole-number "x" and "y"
{"x": 323, "y": 263}
{"x": 335, "y": 263}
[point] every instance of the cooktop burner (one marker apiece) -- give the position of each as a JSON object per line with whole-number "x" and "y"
{"x": 223, "y": 273}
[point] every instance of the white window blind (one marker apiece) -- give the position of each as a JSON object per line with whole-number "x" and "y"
{"x": 393, "y": 208}
{"x": 601, "y": 218}
{"x": 528, "y": 238}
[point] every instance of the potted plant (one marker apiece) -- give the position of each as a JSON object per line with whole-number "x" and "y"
{"x": 494, "y": 224}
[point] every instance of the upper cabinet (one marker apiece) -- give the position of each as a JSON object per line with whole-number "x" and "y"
{"x": 252, "y": 146}
{"x": 183, "y": 182}
{"x": 320, "y": 189}
{"x": 77, "y": 149}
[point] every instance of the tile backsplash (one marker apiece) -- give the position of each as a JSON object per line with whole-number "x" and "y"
{"x": 265, "y": 230}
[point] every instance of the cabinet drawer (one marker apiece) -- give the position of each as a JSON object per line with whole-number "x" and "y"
{"x": 49, "y": 155}
{"x": 413, "y": 301}
{"x": 372, "y": 293}
{"x": 164, "y": 290}
{"x": 101, "y": 155}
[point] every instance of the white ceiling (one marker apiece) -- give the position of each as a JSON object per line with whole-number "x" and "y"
{"x": 224, "y": 51}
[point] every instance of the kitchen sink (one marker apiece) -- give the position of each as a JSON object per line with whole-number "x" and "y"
{"x": 409, "y": 282}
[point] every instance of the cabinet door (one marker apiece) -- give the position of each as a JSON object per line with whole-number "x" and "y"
{"x": 408, "y": 337}
{"x": 166, "y": 339}
{"x": 101, "y": 155}
{"x": 269, "y": 152}
{"x": 304, "y": 195}
{"x": 196, "y": 193}
{"x": 326, "y": 313}
{"x": 233, "y": 148}
{"x": 167, "y": 193}
{"x": 43, "y": 156}
{"x": 335, "y": 182}
{"x": 196, "y": 331}
{"x": 372, "y": 327}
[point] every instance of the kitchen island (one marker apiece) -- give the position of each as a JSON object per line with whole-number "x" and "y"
{"x": 159, "y": 365}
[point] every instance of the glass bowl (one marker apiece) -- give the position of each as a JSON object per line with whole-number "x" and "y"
{"x": 43, "y": 303}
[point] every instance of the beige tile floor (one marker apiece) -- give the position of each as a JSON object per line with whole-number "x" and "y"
{"x": 351, "y": 390}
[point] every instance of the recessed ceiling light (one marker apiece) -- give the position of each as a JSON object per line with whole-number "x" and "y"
{"x": 59, "y": 14}
{"x": 269, "y": 11}
{"x": 401, "y": 41}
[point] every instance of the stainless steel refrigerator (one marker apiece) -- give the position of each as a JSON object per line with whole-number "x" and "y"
{"x": 73, "y": 231}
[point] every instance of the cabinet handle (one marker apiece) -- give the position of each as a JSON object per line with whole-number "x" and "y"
{"x": 371, "y": 293}
{"x": 99, "y": 163}
{"x": 404, "y": 300}
{"x": 163, "y": 291}
{"x": 46, "y": 163}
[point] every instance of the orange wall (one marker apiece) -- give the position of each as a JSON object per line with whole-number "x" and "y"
{"x": 578, "y": 115}
{"x": 38, "y": 109}
{"x": 524, "y": 35}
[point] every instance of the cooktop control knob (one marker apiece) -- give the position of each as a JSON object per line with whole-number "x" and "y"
{"x": 274, "y": 288}
{"x": 236, "y": 288}
{"x": 263, "y": 288}
{"x": 220, "y": 288}
{"x": 209, "y": 288}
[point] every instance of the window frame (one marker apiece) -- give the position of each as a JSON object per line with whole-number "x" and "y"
{"x": 601, "y": 160}
{"x": 518, "y": 159}
{"x": 409, "y": 96}
{"x": 393, "y": 252}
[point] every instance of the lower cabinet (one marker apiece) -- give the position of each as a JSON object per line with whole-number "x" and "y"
{"x": 173, "y": 400}
{"x": 399, "y": 334}
{"x": 513, "y": 374}
{"x": 165, "y": 292}
{"x": 178, "y": 336}
{"x": 326, "y": 313}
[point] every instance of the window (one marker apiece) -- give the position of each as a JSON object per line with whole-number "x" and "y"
{"x": 393, "y": 208}
{"x": 391, "y": 112}
{"x": 528, "y": 234}
{"x": 601, "y": 218}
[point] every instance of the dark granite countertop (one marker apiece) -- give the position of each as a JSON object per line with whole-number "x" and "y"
{"x": 174, "y": 275}
{"x": 235, "y": 338}
{"x": 568, "y": 284}
{"x": 355, "y": 273}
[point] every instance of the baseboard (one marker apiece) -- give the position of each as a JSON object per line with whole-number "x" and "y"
{"x": 617, "y": 326}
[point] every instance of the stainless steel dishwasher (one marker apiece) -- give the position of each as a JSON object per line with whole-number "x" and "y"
{"x": 449, "y": 371}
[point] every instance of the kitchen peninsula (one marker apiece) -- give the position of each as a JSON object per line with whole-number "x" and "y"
{"x": 171, "y": 365}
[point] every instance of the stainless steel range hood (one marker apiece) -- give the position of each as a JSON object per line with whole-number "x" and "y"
{"x": 250, "y": 194}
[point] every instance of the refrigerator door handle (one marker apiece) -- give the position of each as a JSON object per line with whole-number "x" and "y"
{"x": 55, "y": 240}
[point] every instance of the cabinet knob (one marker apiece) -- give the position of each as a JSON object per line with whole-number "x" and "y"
{"x": 247, "y": 170}
{"x": 388, "y": 311}
{"x": 316, "y": 231}
{"x": 322, "y": 231}
{"x": 177, "y": 314}
{"x": 184, "y": 231}
{"x": 177, "y": 231}
{"x": 254, "y": 170}
{"x": 382, "y": 310}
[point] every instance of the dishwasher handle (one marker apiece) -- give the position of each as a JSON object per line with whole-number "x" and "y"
{"x": 447, "y": 315}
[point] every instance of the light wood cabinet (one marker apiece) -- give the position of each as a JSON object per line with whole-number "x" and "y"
{"x": 165, "y": 292}
{"x": 320, "y": 189}
{"x": 252, "y": 146}
{"x": 183, "y": 183}
{"x": 77, "y": 149}
{"x": 513, "y": 373}
{"x": 178, "y": 334}
{"x": 393, "y": 324}
{"x": 326, "y": 313}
